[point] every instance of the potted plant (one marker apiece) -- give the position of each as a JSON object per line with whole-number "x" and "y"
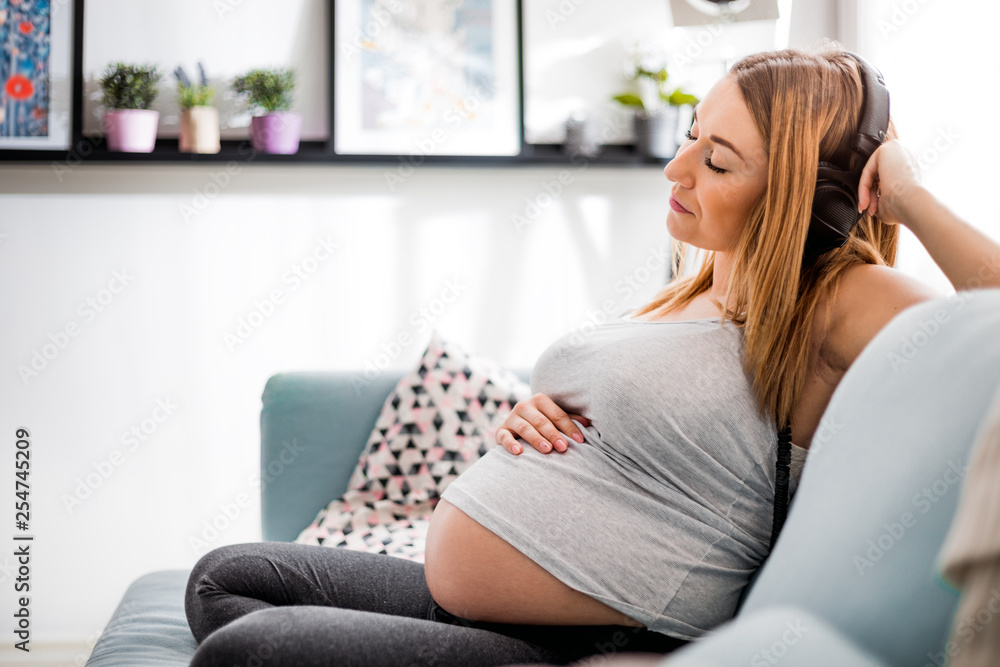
{"x": 655, "y": 105}
{"x": 199, "y": 129}
{"x": 273, "y": 129}
{"x": 129, "y": 123}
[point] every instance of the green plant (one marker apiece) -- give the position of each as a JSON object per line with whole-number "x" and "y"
{"x": 267, "y": 89}
{"x": 129, "y": 86}
{"x": 193, "y": 94}
{"x": 644, "y": 66}
{"x": 676, "y": 97}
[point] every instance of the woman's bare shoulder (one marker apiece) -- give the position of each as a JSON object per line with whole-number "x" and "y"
{"x": 867, "y": 298}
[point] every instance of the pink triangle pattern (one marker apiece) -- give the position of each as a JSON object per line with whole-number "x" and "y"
{"x": 437, "y": 421}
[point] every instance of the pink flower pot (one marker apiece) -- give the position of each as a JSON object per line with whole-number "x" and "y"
{"x": 277, "y": 132}
{"x": 131, "y": 130}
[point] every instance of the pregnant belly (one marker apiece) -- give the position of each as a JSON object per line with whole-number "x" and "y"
{"x": 473, "y": 573}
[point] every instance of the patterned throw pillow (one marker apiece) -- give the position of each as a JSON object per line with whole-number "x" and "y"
{"x": 436, "y": 422}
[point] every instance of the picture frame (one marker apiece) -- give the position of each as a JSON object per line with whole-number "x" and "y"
{"x": 429, "y": 79}
{"x": 37, "y": 75}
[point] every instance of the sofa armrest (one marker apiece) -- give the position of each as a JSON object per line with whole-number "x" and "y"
{"x": 786, "y": 635}
{"x": 313, "y": 428}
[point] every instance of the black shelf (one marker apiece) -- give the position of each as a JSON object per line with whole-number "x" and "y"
{"x": 610, "y": 155}
{"x": 168, "y": 151}
{"x": 93, "y": 150}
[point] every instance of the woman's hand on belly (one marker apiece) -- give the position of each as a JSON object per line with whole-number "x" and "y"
{"x": 538, "y": 420}
{"x": 474, "y": 574}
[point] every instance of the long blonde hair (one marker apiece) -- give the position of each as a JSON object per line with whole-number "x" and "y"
{"x": 806, "y": 106}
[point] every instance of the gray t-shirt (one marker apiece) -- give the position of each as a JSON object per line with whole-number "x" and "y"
{"x": 664, "y": 511}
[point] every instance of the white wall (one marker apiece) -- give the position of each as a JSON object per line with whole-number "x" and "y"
{"x": 192, "y": 277}
{"x": 940, "y": 63}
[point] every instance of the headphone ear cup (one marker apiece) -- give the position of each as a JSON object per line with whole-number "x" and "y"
{"x": 834, "y": 211}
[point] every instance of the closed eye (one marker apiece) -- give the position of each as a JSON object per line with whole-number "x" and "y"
{"x": 708, "y": 160}
{"x": 718, "y": 170}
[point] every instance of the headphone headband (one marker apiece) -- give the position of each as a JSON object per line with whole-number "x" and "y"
{"x": 875, "y": 110}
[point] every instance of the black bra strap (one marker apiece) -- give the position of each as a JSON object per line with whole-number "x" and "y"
{"x": 781, "y": 482}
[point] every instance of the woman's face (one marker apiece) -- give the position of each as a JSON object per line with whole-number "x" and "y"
{"x": 709, "y": 207}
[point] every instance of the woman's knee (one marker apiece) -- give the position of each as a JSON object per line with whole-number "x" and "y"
{"x": 211, "y": 563}
{"x": 251, "y": 640}
{"x": 204, "y": 580}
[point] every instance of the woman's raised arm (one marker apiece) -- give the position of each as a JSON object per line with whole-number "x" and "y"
{"x": 969, "y": 258}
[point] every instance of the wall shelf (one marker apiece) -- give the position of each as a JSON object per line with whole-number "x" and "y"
{"x": 94, "y": 151}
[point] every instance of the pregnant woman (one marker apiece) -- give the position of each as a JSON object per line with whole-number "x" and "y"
{"x": 632, "y": 497}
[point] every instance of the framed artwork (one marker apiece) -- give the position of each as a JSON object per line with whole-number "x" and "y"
{"x": 435, "y": 77}
{"x": 36, "y": 74}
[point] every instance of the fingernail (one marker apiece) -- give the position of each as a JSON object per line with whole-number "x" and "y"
{"x": 545, "y": 446}
{"x": 560, "y": 445}
{"x": 578, "y": 436}
{"x": 516, "y": 449}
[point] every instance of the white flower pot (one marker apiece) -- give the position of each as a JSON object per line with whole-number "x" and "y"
{"x": 199, "y": 130}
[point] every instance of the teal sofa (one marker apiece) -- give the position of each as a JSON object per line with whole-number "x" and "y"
{"x": 851, "y": 581}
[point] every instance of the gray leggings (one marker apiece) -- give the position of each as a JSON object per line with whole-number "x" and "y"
{"x": 280, "y": 604}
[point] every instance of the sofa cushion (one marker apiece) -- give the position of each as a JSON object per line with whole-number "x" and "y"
{"x": 783, "y": 635}
{"x": 149, "y": 627}
{"x": 883, "y": 478}
{"x": 434, "y": 424}
{"x": 313, "y": 427}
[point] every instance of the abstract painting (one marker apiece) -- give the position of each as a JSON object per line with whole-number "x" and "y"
{"x": 435, "y": 77}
